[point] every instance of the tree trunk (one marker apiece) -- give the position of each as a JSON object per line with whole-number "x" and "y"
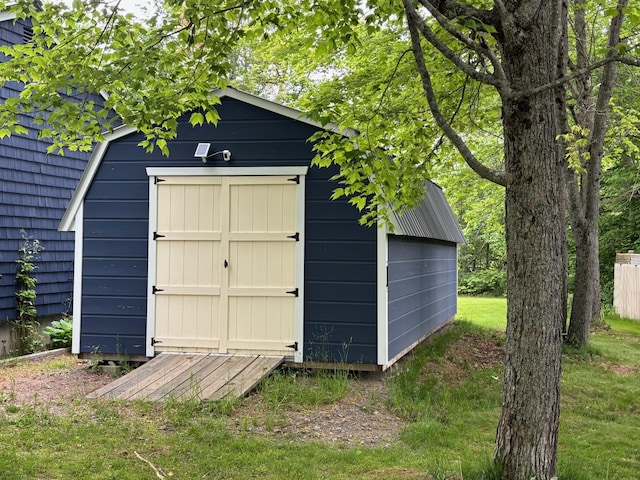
{"x": 586, "y": 290}
{"x": 526, "y": 443}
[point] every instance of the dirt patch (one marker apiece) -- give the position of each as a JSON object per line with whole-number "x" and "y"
{"x": 621, "y": 370}
{"x": 472, "y": 352}
{"x": 360, "y": 417}
{"x": 52, "y": 380}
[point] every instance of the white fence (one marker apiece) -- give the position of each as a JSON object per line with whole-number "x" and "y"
{"x": 626, "y": 285}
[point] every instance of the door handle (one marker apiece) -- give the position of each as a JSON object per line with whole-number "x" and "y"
{"x": 226, "y": 264}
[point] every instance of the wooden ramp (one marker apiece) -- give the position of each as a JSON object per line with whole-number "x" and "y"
{"x": 191, "y": 376}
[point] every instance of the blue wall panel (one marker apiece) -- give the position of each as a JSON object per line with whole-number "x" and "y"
{"x": 340, "y": 292}
{"x": 422, "y": 277}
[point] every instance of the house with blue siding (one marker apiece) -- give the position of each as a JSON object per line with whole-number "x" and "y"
{"x": 231, "y": 244}
{"x": 35, "y": 188}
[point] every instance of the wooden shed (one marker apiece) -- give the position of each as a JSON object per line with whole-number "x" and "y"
{"x": 232, "y": 245}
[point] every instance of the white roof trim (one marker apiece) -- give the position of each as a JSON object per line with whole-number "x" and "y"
{"x": 67, "y": 223}
{"x": 4, "y": 16}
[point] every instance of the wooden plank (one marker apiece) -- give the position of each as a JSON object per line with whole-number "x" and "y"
{"x": 177, "y": 376}
{"x": 191, "y": 380}
{"x": 144, "y": 389}
{"x": 249, "y": 377}
{"x": 132, "y": 382}
{"x": 213, "y": 383}
{"x": 159, "y": 362}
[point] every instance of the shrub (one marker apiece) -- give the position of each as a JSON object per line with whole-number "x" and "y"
{"x": 483, "y": 282}
{"x": 60, "y": 332}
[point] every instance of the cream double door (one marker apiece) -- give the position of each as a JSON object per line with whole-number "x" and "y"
{"x": 225, "y": 271}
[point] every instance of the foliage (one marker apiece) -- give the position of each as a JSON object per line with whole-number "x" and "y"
{"x": 61, "y": 332}
{"x": 26, "y": 325}
{"x": 620, "y": 212}
{"x": 489, "y": 281}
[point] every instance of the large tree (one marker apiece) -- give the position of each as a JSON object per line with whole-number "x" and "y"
{"x": 514, "y": 51}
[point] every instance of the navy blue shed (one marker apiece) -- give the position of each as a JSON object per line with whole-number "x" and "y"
{"x": 232, "y": 245}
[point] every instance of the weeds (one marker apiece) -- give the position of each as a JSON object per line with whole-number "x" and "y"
{"x": 304, "y": 387}
{"x": 26, "y": 326}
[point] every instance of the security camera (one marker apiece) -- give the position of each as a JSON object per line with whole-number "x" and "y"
{"x": 226, "y": 155}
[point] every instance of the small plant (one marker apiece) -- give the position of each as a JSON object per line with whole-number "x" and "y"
{"x": 26, "y": 326}
{"x": 60, "y": 332}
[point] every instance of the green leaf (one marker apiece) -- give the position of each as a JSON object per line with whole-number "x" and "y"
{"x": 197, "y": 118}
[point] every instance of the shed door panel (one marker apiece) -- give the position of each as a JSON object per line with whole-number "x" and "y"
{"x": 189, "y": 263}
{"x": 262, "y": 265}
{"x": 225, "y": 262}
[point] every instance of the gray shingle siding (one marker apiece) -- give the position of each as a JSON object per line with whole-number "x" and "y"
{"x": 34, "y": 191}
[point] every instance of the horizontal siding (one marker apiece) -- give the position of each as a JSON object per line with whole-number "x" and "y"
{"x": 422, "y": 293}
{"x": 340, "y": 290}
{"x": 340, "y": 278}
{"x": 35, "y": 188}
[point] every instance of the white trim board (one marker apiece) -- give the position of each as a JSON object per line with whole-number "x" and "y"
{"x": 225, "y": 171}
{"x": 77, "y": 281}
{"x": 382, "y": 261}
{"x": 151, "y": 267}
{"x": 67, "y": 223}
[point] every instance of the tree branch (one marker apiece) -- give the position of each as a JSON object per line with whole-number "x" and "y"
{"x": 479, "y": 48}
{"x": 600, "y": 118}
{"x": 613, "y": 57}
{"x": 418, "y": 23}
{"x": 482, "y": 170}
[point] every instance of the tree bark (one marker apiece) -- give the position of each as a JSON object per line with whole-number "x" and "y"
{"x": 526, "y": 442}
{"x": 530, "y": 35}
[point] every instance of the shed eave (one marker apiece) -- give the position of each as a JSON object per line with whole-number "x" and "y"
{"x": 67, "y": 224}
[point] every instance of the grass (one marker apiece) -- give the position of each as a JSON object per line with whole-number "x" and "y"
{"x": 488, "y": 312}
{"x": 451, "y": 403}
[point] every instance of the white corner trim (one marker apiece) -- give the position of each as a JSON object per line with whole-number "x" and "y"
{"x": 4, "y": 16}
{"x": 77, "y": 280}
{"x": 382, "y": 282}
{"x": 299, "y": 306}
{"x": 224, "y": 171}
{"x": 66, "y": 224}
{"x": 151, "y": 267}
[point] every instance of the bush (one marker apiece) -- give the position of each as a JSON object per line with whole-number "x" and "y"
{"x": 60, "y": 332}
{"x": 484, "y": 282}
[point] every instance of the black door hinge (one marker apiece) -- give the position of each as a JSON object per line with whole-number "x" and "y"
{"x": 157, "y": 235}
{"x": 155, "y": 290}
{"x": 295, "y": 236}
{"x": 157, "y": 180}
{"x": 293, "y": 292}
{"x": 294, "y": 179}
{"x": 294, "y": 345}
{"x": 154, "y": 341}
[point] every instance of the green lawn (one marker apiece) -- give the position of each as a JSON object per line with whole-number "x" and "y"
{"x": 488, "y": 312}
{"x": 450, "y": 400}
